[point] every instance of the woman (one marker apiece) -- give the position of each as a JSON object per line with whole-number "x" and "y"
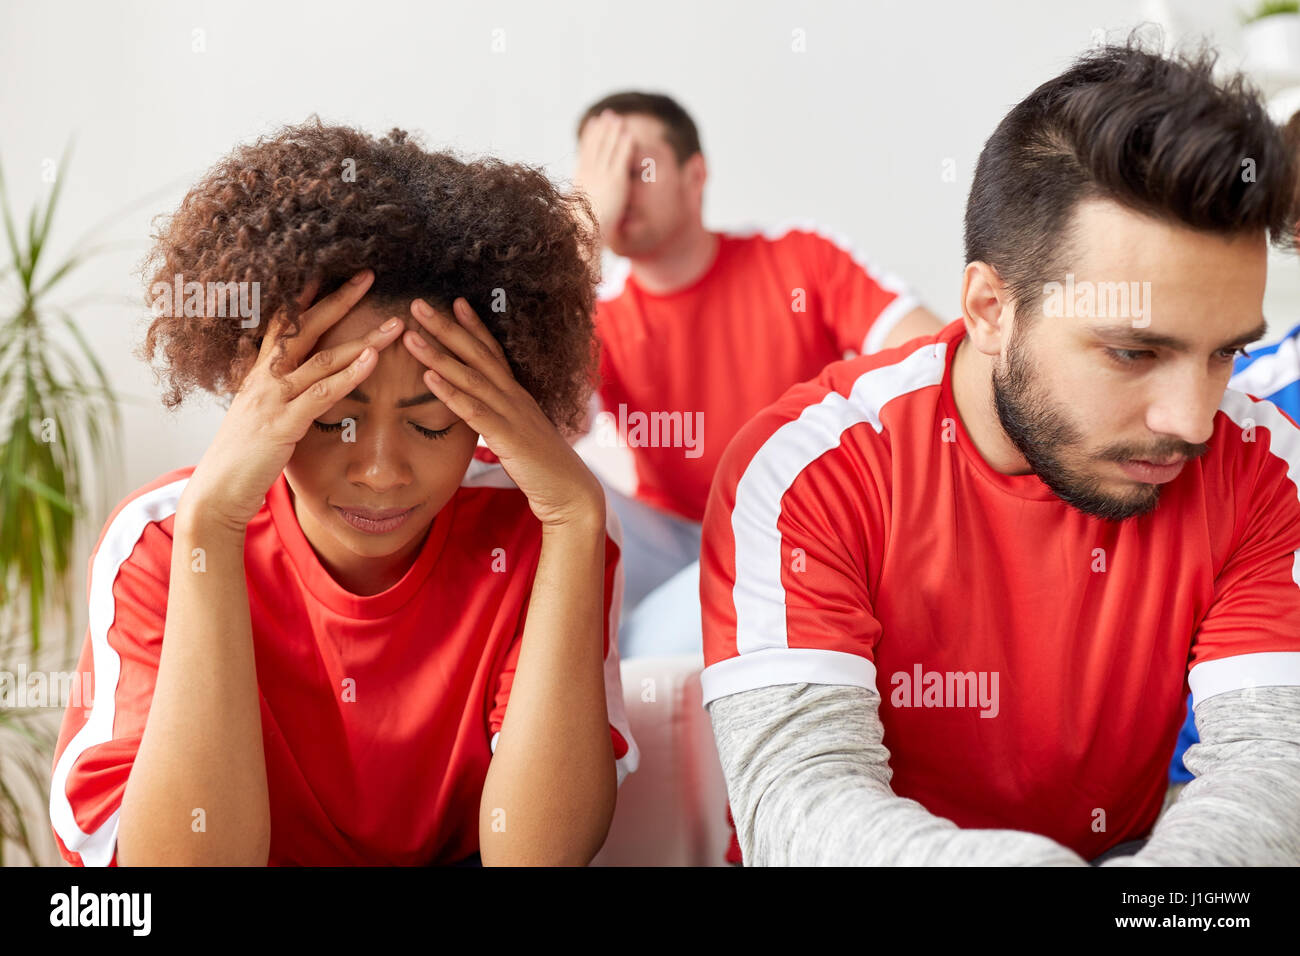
{"x": 304, "y": 646}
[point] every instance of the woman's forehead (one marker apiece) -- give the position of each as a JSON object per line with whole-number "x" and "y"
{"x": 364, "y": 317}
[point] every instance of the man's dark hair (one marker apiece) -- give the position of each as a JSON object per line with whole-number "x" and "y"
{"x": 679, "y": 128}
{"x": 1156, "y": 134}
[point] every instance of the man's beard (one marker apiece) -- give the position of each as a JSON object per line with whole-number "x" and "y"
{"x": 644, "y": 242}
{"x": 653, "y": 236}
{"x": 1042, "y": 432}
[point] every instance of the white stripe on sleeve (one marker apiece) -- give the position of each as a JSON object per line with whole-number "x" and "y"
{"x": 96, "y": 848}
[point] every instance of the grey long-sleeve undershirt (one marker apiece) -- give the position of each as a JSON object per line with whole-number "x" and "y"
{"x": 808, "y": 779}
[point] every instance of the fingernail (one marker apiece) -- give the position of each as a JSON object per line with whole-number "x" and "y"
{"x": 422, "y": 309}
{"x": 389, "y": 325}
{"x": 360, "y": 277}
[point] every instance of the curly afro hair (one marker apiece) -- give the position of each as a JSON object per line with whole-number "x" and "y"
{"x": 327, "y": 201}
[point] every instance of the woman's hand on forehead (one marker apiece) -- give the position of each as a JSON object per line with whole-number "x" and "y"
{"x": 469, "y": 372}
{"x": 316, "y": 318}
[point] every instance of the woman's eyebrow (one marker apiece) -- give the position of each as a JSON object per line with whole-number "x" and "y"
{"x": 356, "y": 395}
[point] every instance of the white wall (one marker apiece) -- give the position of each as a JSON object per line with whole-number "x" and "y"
{"x": 851, "y": 133}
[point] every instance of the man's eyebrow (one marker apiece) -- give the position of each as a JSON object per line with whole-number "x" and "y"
{"x": 1131, "y": 335}
{"x": 356, "y": 395}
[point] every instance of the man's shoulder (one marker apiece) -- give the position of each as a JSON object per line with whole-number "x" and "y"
{"x": 851, "y": 406}
{"x": 801, "y": 242}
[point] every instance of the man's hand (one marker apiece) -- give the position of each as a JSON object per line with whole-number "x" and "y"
{"x": 604, "y": 152}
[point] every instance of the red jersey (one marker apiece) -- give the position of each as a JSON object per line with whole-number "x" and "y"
{"x": 682, "y": 372}
{"x": 390, "y": 773}
{"x": 1032, "y": 661}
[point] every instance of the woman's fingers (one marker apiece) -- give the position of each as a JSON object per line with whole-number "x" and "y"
{"x": 324, "y": 393}
{"x": 448, "y": 367}
{"x": 277, "y": 327}
{"x": 468, "y": 406}
{"x": 329, "y": 310}
{"x": 470, "y": 320}
{"x": 470, "y": 394}
{"x": 461, "y": 343}
{"x": 316, "y": 319}
{"x": 331, "y": 360}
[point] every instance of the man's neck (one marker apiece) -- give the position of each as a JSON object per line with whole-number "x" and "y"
{"x": 972, "y": 393}
{"x": 679, "y": 264}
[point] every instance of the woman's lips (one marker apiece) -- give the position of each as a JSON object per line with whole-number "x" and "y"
{"x": 374, "y": 522}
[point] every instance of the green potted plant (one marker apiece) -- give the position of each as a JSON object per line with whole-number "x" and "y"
{"x": 57, "y": 413}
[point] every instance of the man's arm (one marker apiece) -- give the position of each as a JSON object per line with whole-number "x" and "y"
{"x": 865, "y": 307}
{"x": 808, "y": 778}
{"x": 1243, "y": 808}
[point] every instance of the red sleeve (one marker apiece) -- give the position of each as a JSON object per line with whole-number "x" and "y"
{"x": 860, "y": 300}
{"x": 1250, "y": 637}
{"x": 127, "y": 591}
{"x": 626, "y": 755}
{"x": 790, "y": 544}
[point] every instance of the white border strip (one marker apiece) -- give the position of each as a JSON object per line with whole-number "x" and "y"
{"x": 1242, "y": 671}
{"x": 796, "y": 665}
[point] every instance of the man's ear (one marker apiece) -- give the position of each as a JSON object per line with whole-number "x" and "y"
{"x": 696, "y": 172}
{"x": 985, "y": 306}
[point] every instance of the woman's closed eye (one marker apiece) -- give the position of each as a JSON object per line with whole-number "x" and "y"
{"x": 426, "y": 432}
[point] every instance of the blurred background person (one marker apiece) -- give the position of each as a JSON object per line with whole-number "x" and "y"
{"x": 699, "y": 330}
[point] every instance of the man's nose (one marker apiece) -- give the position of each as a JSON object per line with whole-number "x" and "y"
{"x": 1185, "y": 407}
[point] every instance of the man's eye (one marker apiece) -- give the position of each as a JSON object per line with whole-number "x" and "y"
{"x": 1231, "y": 354}
{"x": 1128, "y": 356}
{"x": 323, "y": 426}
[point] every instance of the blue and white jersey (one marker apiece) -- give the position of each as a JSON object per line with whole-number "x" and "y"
{"x": 1272, "y": 372}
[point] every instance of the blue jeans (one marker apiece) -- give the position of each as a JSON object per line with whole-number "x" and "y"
{"x": 667, "y": 623}
{"x": 661, "y": 591}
